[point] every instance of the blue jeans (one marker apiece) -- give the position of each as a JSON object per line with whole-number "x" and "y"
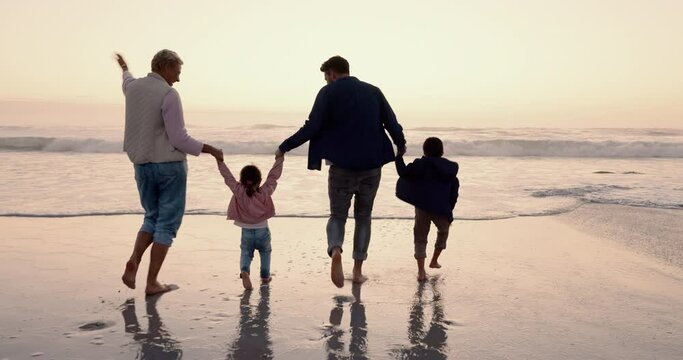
{"x": 342, "y": 185}
{"x": 162, "y": 188}
{"x": 255, "y": 239}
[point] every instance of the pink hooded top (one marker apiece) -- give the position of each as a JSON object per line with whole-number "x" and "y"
{"x": 259, "y": 207}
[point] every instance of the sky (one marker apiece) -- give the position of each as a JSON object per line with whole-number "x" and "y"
{"x": 598, "y": 63}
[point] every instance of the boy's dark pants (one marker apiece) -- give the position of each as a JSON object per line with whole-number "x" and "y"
{"x": 423, "y": 221}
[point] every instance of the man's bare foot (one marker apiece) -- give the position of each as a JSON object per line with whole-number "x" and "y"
{"x": 129, "y": 274}
{"x": 266, "y": 281}
{"x": 336, "y": 270}
{"x": 359, "y": 278}
{"x": 246, "y": 281}
{"x": 157, "y": 288}
{"x": 434, "y": 265}
{"x": 421, "y": 275}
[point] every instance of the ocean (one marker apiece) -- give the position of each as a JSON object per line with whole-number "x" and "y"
{"x": 63, "y": 171}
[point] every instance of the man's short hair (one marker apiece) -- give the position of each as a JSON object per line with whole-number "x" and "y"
{"x": 165, "y": 58}
{"x": 337, "y": 64}
{"x": 433, "y": 147}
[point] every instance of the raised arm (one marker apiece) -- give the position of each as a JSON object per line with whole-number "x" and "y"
{"x": 271, "y": 181}
{"x": 127, "y": 76}
{"x": 407, "y": 171}
{"x": 228, "y": 176}
{"x": 400, "y": 166}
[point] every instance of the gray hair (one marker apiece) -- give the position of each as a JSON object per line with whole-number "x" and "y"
{"x": 165, "y": 58}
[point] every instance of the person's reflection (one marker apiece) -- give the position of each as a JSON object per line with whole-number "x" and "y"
{"x": 253, "y": 341}
{"x": 358, "y": 345}
{"x": 157, "y": 342}
{"x": 333, "y": 332}
{"x": 429, "y": 343}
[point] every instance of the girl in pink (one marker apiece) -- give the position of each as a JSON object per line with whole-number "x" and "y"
{"x": 250, "y": 207}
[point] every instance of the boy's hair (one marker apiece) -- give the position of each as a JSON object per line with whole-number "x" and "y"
{"x": 433, "y": 147}
{"x": 250, "y": 178}
{"x": 337, "y": 64}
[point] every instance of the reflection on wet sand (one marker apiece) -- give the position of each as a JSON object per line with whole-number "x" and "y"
{"x": 253, "y": 341}
{"x": 425, "y": 343}
{"x": 358, "y": 345}
{"x": 157, "y": 342}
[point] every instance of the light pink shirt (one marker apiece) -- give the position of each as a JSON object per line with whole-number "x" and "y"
{"x": 259, "y": 207}
{"x": 174, "y": 123}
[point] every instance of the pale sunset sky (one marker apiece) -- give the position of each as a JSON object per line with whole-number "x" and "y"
{"x": 505, "y": 63}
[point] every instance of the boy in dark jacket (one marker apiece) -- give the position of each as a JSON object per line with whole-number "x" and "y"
{"x": 431, "y": 185}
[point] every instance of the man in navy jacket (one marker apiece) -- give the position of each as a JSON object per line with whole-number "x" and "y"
{"x": 431, "y": 185}
{"x": 348, "y": 128}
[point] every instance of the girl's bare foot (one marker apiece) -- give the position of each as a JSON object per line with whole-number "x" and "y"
{"x": 336, "y": 270}
{"x": 246, "y": 281}
{"x": 129, "y": 274}
{"x": 434, "y": 265}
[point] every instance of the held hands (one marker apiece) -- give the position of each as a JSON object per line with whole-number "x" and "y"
{"x": 400, "y": 151}
{"x": 122, "y": 63}
{"x": 279, "y": 153}
{"x": 218, "y": 154}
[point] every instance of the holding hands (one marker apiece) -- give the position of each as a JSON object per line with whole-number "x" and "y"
{"x": 216, "y": 153}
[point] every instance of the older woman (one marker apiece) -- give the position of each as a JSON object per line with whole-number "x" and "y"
{"x": 156, "y": 142}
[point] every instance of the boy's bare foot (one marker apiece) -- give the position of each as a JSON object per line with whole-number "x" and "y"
{"x": 129, "y": 274}
{"x": 434, "y": 265}
{"x": 157, "y": 288}
{"x": 336, "y": 270}
{"x": 421, "y": 275}
{"x": 266, "y": 281}
{"x": 246, "y": 281}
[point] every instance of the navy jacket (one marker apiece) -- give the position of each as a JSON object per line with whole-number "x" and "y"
{"x": 429, "y": 183}
{"x": 347, "y": 127}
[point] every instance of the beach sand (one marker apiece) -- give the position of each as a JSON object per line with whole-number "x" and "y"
{"x": 574, "y": 286}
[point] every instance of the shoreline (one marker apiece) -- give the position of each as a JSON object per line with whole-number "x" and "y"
{"x": 560, "y": 212}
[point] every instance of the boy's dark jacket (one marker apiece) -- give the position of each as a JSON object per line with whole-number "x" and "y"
{"x": 429, "y": 183}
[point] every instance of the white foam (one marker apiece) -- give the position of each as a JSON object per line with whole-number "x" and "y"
{"x": 495, "y": 147}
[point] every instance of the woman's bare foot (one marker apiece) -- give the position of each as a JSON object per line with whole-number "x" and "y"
{"x": 246, "y": 281}
{"x": 157, "y": 288}
{"x": 336, "y": 270}
{"x": 434, "y": 265}
{"x": 129, "y": 274}
{"x": 266, "y": 281}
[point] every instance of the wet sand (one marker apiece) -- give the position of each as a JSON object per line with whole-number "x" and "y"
{"x": 525, "y": 288}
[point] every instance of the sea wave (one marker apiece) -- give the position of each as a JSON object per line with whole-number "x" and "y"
{"x": 93, "y": 145}
{"x": 494, "y": 147}
{"x": 565, "y": 148}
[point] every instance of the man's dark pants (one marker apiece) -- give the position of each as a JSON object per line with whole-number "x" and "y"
{"x": 342, "y": 186}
